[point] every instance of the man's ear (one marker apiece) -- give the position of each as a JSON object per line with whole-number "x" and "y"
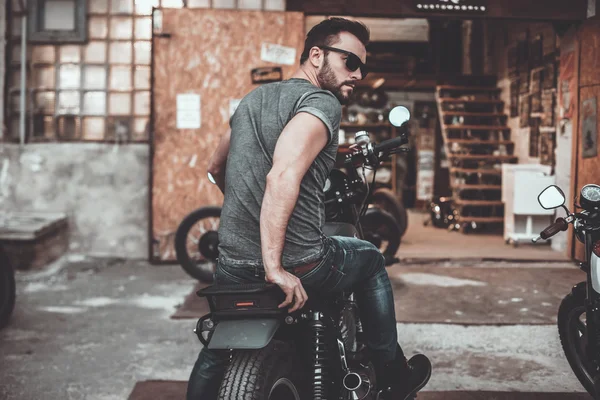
{"x": 316, "y": 56}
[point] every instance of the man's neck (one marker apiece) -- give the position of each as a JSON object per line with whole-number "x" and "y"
{"x": 303, "y": 73}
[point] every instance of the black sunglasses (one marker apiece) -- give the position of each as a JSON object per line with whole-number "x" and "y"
{"x": 352, "y": 62}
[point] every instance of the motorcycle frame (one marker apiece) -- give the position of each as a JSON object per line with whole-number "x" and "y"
{"x": 592, "y": 303}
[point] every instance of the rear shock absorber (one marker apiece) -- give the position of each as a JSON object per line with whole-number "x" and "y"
{"x": 319, "y": 357}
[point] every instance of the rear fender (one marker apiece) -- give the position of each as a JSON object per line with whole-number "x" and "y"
{"x": 243, "y": 334}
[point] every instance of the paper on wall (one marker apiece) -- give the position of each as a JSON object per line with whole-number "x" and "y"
{"x": 233, "y": 105}
{"x": 188, "y": 111}
{"x": 278, "y": 54}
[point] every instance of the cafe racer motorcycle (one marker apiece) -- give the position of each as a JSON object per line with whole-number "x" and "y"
{"x": 579, "y": 311}
{"x": 315, "y": 353}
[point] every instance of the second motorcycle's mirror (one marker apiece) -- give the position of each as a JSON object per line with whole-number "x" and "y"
{"x": 399, "y": 115}
{"x": 552, "y": 197}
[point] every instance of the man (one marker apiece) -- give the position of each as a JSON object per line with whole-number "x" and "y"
{"x": 272, "y": 166}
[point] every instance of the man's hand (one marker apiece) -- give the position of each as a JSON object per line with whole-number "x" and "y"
{"x": 291, "y": 286}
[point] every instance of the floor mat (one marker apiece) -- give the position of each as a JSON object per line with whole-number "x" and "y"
{"x": 175, "y": 390}
{"x": 463, "y": 295}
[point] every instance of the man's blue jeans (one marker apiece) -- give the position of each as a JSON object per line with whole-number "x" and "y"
{"x": 348, "y": 264}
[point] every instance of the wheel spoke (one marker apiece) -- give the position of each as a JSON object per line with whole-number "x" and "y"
{"x": 581, "y": 327}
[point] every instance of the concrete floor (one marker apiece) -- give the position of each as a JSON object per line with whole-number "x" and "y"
{"x": 428, "y": 243}
{"x": 90, "y": 329}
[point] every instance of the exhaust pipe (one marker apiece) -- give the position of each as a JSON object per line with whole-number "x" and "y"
{"x": 357, "y": 384}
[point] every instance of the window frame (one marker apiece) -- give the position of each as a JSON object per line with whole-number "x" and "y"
{"x": 39, "y": 36}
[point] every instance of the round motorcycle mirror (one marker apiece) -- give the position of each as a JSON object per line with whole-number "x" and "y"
{"x": 399, "y": 115}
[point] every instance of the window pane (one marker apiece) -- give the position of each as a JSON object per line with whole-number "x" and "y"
{"x": 69, "y": 76}
{"x": 121, "y": 6}
{"x": 120, "y": 78}
{"x": 69, "y": 54}
{"x": 98, "y": 6}
{"x": 43, "y": 54}
{"x": 93, "y": 128}
{"x": 44, "y": 77}
{"x": 44, "y": 102}
{"x": 142, "y": 103}
{"x": 16, "y": 27}
{"x": 68, "y": 102}
{"x": 58, "y": 15}
{"x": 142, "y": 52}
{"x": 15, "y": 105}
{"x": 95, "y": 52}
{"x": 277, "y": 5}
{"x": 250, "y": 4}
{"x": 121, "y": 28}
{"x": 140, "y": 129}
{"x": 144, "y": 7}
{"x": 120, "y": 52}
{"x": 94, "y": 103}
{"x": 98, "y": 27}
{"x": 95, "y": 77}
{"x": 14, "y": 81}
{"x": 171, "y": 3}
{"x": 119, "y": 104}
{"x": 199, "y": 3}
{"x": 143, "y": 28}
{"x": 142, "y": 78}
{"x": 15, "y": 57}
{"x": 223, "y": 3}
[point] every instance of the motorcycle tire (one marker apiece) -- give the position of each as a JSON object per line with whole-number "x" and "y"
{"x": 265, "y": 374}
{"x": 386, "y": 200}
{"x": 7, "y": 289}
{"x": 378, "y": 224}
{"x": 569, "y": 329}
{"x": 200, "y": 269}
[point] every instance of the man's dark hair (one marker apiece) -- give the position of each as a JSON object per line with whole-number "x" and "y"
{"x": 326, "y": 32}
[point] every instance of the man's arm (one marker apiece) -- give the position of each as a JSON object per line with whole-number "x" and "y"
{"x": 218, "y": 162}
{"x": 297, "y": 147}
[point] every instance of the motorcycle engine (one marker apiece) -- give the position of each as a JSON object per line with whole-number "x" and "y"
{"x": 335, "y": 186}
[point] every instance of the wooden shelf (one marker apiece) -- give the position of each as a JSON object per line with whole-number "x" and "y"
{"x": 480, "y": 157}
{"x": 476, "y": 171}
{"x": 478, "y": 142}
{"x": 469, "y": 88}
{"x": 477, "y": 127}
{"x": 478, "y": 187}
{"x": 481, "y": 219}
{"x": 470, "y": 101}
{"x": 364, "y": 126}
{"x": 461, "y": 202}
{"x": 472, "y": 114}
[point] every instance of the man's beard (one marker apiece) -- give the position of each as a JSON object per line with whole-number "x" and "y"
{"x": 327, "y": 81}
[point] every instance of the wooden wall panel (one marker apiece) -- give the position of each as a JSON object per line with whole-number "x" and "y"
{"x": 590, "y": 53}
{"x": 211, "y": 53}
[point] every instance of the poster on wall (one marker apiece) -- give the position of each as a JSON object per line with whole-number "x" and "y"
{"x": 589, "y": 133}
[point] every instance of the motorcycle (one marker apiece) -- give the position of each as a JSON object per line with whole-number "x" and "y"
{"x": 579, "y": 311}
{"x": 384, "y": 221}
{"x": 317, "y": 352}
{"x": 7, "y": 289}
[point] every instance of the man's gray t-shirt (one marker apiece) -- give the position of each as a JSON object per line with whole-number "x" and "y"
{"x": 255, "y": 127}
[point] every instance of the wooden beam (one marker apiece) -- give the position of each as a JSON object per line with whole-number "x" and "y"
{"x": 539, "y": 10}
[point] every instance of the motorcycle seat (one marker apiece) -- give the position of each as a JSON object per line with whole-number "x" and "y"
{"x": 339, "y": 229}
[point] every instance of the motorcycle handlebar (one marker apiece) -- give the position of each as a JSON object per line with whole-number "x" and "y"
{"x": 558, "y": 226}
{"x": 390, "y": 144}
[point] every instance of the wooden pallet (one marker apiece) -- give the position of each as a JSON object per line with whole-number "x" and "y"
{"x": 490, "y": 134}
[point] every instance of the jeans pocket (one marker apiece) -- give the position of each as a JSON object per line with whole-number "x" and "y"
{"x": 334, "y": 279}
{"x": 224, "y": 277}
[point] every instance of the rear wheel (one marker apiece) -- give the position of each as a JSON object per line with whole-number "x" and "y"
{"x": 197, "y": 241}
{"x": 265, "y": 374}
{"x": 7, "y": 290}
{"x": 573, "y": 336}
